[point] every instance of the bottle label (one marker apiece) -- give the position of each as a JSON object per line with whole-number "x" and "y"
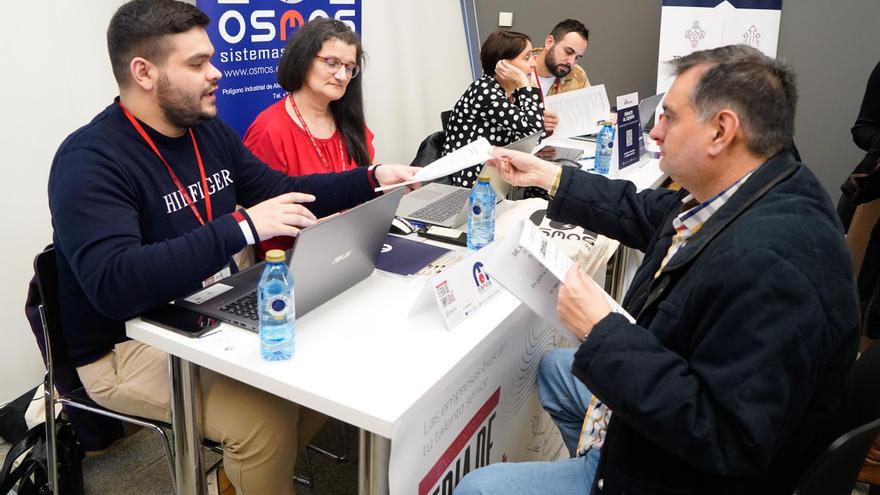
{"x": 277, "y": 306}
{"x": 477, "y": 211}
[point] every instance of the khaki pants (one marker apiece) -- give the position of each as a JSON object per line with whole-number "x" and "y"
{"x": 261, "y": 434}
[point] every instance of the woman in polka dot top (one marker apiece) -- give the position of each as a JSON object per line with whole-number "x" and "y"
{"x": 501, "y": 106}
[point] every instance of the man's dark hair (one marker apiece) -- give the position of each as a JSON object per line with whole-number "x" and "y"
{"x": 501, "y": 45}
{"x": 761, "y": 91}
{"x": 140, "y": 29}
{"x": 570, "y": 26}
{"x": 293, "y": 70}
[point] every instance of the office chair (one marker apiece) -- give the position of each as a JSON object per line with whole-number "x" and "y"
{"x": 863, "y": 392}
{"x": 836, "y": 470}
{"x": 46, "y": 272}
{"x": 308, "y": 478}
{"x": 431, "y": 148}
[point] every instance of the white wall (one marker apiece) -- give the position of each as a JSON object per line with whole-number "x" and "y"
{"x": 417, "y": 67}
{"x": 56, "y": 76}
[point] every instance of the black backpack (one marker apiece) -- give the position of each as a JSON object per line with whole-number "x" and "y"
{"x": 31, "y": 476}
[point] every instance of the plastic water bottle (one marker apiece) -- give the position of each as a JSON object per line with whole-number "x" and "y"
{"x": 604, "y": 148}
{"x": 275, "y": 308}
{"x": 481, "y": 219}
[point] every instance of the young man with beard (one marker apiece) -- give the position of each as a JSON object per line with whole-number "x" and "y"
{"x": 143, "y": 202}
{"x": 556, "y": 63}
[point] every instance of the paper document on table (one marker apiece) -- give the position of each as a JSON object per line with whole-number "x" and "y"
{"x": 548, "y": 253}
{"x": 579, "y": 111}
{"x": 460, "y": 159}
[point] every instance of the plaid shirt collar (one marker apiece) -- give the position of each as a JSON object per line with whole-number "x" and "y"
{"x": 689, "y": 221}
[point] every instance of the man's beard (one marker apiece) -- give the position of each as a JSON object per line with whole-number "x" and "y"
{"x": 558, "y": 70}
{"x": 180, "y": 108}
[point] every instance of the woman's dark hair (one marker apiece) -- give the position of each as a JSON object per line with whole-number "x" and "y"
{"x": 348, "y": 111}
{"x": 501, "y": 45}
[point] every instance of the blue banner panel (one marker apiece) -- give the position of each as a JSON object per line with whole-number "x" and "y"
{"x": 249, "y": 38}
{"x": 740, "y": 4}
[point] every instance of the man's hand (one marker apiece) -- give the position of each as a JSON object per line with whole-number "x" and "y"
{"x": 580, "y": 303}
{"x": 522, "y": 169}
{"x": 510, "y": 76}
{"x": 281, "y": 215}
{"x": 389, "y": 174}
{"x": 551, "y": 120}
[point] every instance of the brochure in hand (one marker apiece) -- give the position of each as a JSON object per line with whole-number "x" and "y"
{"x": 532, "y": 267}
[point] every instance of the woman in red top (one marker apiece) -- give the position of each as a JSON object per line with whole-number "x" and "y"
{"x": 319, "y": 126}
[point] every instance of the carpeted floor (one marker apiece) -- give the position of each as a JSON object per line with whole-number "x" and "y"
{"x": 137, "y": 465}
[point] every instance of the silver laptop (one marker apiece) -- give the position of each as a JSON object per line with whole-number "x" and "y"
{"x": 646, "y": 109}
{"x": 445, "y": 205}
{"x": 327, "y": 259}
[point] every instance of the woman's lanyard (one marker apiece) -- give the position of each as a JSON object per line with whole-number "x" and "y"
{"x": 324, "y": 160}
{"x": 174, "y": 178}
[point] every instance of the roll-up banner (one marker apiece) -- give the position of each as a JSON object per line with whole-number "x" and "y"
{"x": 249, "y": 38}
{"x": 687, "y": 26}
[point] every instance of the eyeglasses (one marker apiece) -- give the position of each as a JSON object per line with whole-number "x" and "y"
{"x": 333, "y": 65}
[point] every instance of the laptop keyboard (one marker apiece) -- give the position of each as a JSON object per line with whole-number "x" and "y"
{"x": 444, "y": 208}
{"x": 245, "y": 306}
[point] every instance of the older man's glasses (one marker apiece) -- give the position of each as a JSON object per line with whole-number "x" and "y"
{"x": 333, "y": 65}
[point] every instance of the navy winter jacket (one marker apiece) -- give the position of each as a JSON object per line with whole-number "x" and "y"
{"x": 731, "y": 380}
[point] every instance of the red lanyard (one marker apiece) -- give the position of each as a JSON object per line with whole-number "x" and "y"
{"x": 174, "y": 178}
{"x": 324, "y": 160}
{"x": 538, "y": 79}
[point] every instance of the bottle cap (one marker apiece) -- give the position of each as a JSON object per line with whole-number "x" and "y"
{"x": 483, "y": 178}
{"x": 274, "y": 256}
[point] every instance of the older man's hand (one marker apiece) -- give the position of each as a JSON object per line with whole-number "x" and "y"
{"x": 581, "y": 304}
{"x": 524, "y": 169}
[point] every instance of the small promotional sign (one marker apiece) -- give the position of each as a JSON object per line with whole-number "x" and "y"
{"x": 629, "y": 130}
{"x": 461, "y": 289}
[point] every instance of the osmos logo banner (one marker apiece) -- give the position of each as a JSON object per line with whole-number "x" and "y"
{"x": 249, "y": 38}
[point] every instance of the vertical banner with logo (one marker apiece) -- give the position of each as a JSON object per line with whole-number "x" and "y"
{"x": 690, "y": 25}
{"x": 249, "y": 38}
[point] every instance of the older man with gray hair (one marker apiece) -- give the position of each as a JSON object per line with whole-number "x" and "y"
{"x": 731, "y": 379}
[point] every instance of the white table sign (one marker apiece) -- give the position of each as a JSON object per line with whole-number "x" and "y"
{"x": 459, "y": 290}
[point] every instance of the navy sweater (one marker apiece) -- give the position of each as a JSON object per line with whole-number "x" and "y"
{"x": 125, "y": 239}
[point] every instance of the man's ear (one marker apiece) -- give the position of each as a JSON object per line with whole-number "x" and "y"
{"x": 726, "y": 126}
{"x": 144, "y": 73}
{"x": 548, "y": 41}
